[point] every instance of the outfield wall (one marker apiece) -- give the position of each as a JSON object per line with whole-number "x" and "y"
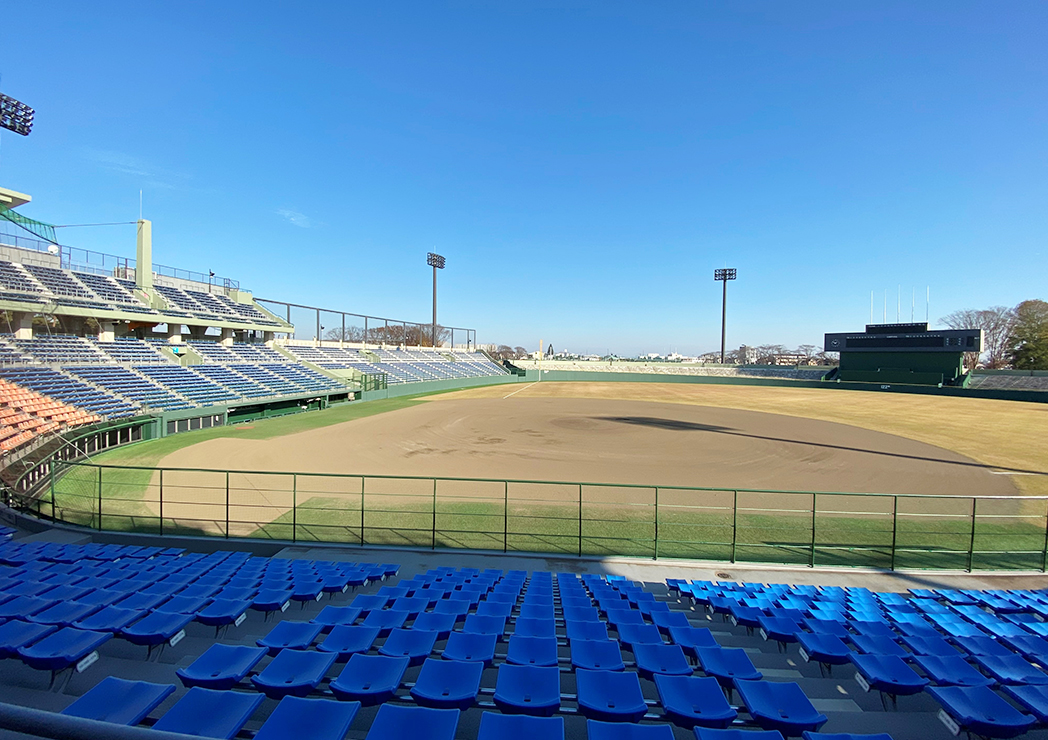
{"x": 451, "y": 384}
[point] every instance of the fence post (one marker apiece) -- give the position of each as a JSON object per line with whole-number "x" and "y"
{"x": 811, "y": 553}
{"x": 433, "y": 546}
{"x": 53, "y": 495}
{"x": 161, "y": 501}
{"x": 971, "y": 541}
{"x": 227, "y": 504}
{"x": 895, "y": 527}
{"x": 100, "y": 499}
{"x": 1044, "y": 560}
{"x": 294, "y": 502}
{"x": 580, "y": 520}
{"x": 362, "y": 479}
{"x": 656, "y": 554}
{"x": 734, "y": 522}
{"x": 505, "y": 520}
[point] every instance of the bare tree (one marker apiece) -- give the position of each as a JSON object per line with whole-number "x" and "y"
{"x": 519, "y": 353}
{"x": 349, "y": 334}
{"x": 997, "y": 324}
{"x": 808, "y": 350}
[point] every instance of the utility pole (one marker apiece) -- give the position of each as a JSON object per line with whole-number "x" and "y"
{"x": 724, "y": 276}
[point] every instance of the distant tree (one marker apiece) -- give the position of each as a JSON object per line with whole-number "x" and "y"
{"x": 996, "y": 323}
{"x": 1028, "y": 346}
{"x": 349, "y": 334}
{"x": 766, "y": 353}
{"x": 519, "y": 353}
{"x": 808, "y": 350}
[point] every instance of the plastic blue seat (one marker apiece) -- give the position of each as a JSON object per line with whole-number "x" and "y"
{"x": 221, "y": 612}
{"x": 272, "y": 600}
{"x": 63, "y": 614}
{"x": 638, "y": 634}
{"x": 467, "y": 646}
{"x": 415, "y": 645}
{"x": 155, "y": 628}
{"x": 119, "y": 701}
{"x": 293, "y": 673}
{"x": 827, "y": 626}
{"x": 442, "y": 624}
{"x": 386, "y": 620}
{"x": 610, "y": 696}
{"x": 1031, "y": 647}
{"x": 367, "y": 603}
{"x": 667, "y": 620}
{"x": 183, "y": 605}
{"x": 596, "y": 730}
{"x": 581, "y": 614}
{"x": 331, "y": 616}
{"x": 536, "y": 611}
{"x": 692, "y": 638}
{"x": 586, "y": 631}
{"x": 412, "y": 605}
{"x": 597, "y": 655}
{"x": 395, "y": 722}
{"x": 538, "y": 651}
{"x": 16, "y": 634}
{"x": 807, "y": 735}
{"x": 447, "y": 684}
{"x": 527, "y": 689}
{"x": 879, "y": 645}
{"x": 210, "y": 713}
{"x": 666, "y": 659}
{"x": 64, "y": 648}
{"x": 694, "y": 700}
{"x": 780, "y": 629}
{"x": 22, "y": 607}
{"x": 456, "y": 606}
{"x": 710, "y": 733}
{"x": 1011, "y": 669}
{"x": 494, "y": 609}
{"x": 494, "y": 726}
{"x": 978, "y": 710}
{"x": 346, "y": 640}
{"x": 872, "y": 629}
{"x": 930, "y": 646}
{"x": 727, "y": 665}
{"x": 951, "y": 670}
{"x": 823, "y": 648}
{"x": 1033, "y": 698}
{"x": 289, "y": 634}
{"x": 531, "y": 627}
{"x": 780, "y": 706}
{"x": 887, "y": 674}
{"x": 221, "y": 666}
{"x": 981, "y": 646}
{"x": 309, "y": 719}
{"x": 369, "y": 679}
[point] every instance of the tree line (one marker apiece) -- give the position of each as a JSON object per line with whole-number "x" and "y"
{"x": 1015, "y": 338}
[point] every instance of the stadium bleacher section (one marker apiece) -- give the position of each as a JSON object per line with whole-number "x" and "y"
{"x": 25, "y": 414}
{"x": 401, "y": 365}
{"x": 322, "y": 648}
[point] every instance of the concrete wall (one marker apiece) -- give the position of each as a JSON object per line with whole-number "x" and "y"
{"x": 429, "y": 386}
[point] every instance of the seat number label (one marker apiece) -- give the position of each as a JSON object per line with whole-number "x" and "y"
{"x": 86, "y": 662}
{"x": 734, "y": 620}
{"x": 764, "y": 635}
{"x": 947, "y": 720}
{"x": 240, "y": 620}
{"x": 862, "y": 682}
{"x": 804, "y": 655}
{"x": 284, "y": 606}
{"x": 177, "y": 638}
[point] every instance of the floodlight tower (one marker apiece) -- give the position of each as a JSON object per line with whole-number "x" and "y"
{"x": 728, "y": 273}
{"x": 437, "y": 263}
{"x": 15, "y": 115}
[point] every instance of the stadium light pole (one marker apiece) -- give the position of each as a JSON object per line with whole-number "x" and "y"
{"x": 15, "y": 115}
{"x": 724, "y": 275}
{"x": 437, "y": 263}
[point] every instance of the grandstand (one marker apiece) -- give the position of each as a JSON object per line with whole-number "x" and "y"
{"x": 786, "y": 372}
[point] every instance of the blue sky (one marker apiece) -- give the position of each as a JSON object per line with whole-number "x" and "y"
{"x": 583, "y": 166}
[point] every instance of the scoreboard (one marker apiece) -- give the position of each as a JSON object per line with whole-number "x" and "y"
{"x": 905, "y": 338}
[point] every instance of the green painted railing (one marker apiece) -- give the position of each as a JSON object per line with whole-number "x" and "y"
{"x": 889, "y": 531}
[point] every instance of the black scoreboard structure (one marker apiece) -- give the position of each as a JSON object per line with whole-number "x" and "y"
{"x": 904, "y": 353}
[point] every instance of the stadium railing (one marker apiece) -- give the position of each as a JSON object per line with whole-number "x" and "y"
{"x": 808, "y": 528}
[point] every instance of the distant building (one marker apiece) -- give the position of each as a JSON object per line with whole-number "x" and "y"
{"x": 747, "y": 355}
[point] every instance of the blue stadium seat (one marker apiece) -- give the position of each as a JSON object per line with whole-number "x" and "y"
{"x": 63, "y": 614}
{"x": 210, "y": 713}
{"x": 823, "y": 648}
{"x": 155, "y": 629}
{"x": 887, "y": 674}
{"x": 666, "y": 621}
{"x": 395, "y": 722}
{"x": 537, "y": 651}
{"x": 526, "y": 689}
{"x": 64, "y": 648}
{"x": 442, "y": 624}
{"x": 710, "y": 733}
{"x": 930, "y": 646}
{"x": 367, "y": 603}
{"x": 415, "y": 645}
{"x": 597, "y": 655}
{"x": 309, "y": 719}
{"x": 458, "y": 607}
{"x": 369, "y": 679}
{"x": 664, "y": 659}
{"x": 807, "y": 735}
{"x": 332, "y": 616}
{"x": 293, "y": 673}
{"x": 1011, "y": 669}
{"x": 16, "y": 634}
{"x": 951, "y": 670}
{"x": 495, "y": 726}
{"x": 289, "y": 634}
{"x": 1033, "y": 698}
{"x": 978, "y": 710}
{"x": 447, "y": 684}
{"x": 879, "y": 645}
{"x": 610, "y": 696}
{"x": 586, "y": 631}
{"x": 780, "y": 706}
{"x": 119, "y": 701}
{"x": 494, "y": 609}
{"x": 221, "y": 666}
{"x": 981, "y": 646}
{"x": 532, "y": 627}
{"x": 596, "y": 730}
{"x": 693, "y": 700}
{"x": 347, "y": 640}
{"x": 727, "y": 665}
{"x": 638, "y": 634}
{"x": 468, "y": 646}
{"x": 692, "y": 638}
{"x": 222, "y": 612}
{"x": 386, "y": 620}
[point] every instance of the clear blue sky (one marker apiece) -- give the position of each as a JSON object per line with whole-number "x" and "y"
{"x": 583, "y": 166}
